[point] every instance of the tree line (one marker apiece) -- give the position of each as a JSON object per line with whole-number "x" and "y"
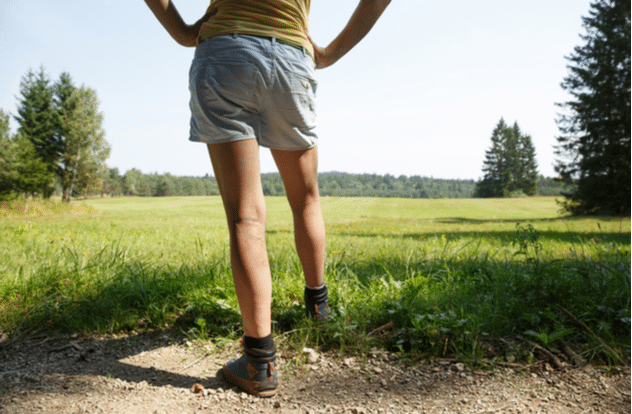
{"x": 338, "y": 184}
{"x": 137, "y": 183}
{"x": 335, "y": 184}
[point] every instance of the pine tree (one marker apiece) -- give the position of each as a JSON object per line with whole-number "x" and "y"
{"x": 37, "y": 119}
{"x": 528, "y": 176}
{"x": 31, "y": 172}
{"x": 493, "y": 183}
{"x": 594, "y": 147}
{"x": 509, "y": 167}
{"x": 7, "y": 157}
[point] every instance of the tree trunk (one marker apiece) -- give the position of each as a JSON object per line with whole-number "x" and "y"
{"x": 69, "y": 190}
{"x": 72, "y": 180}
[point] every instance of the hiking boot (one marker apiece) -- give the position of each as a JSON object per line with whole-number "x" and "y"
{"x": 317, "y": 304}
{"x": 255, "y": 372}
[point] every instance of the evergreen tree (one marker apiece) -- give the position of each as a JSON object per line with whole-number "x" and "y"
{"x": 5, "y": 128}
{"x": 7, "y": 159}
{"x": 37, "y": 119}
{"x": 494, "y": 166}
{"x": 21, "y": 168}
{"x": 31, "y": 172}
{"x": 594, "y": 146}
{"x": 527, "y": 180}
{"x": 509, "y": 167}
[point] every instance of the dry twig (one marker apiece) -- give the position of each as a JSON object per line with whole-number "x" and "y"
{"x": 586, "y": 329}
{"x": 554, "y": 359}
{"x": 574, "y": 357}
{"x": 382, "y": 328}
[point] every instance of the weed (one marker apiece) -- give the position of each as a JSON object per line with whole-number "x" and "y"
{"x": 548, "y": 339}
{"x": 200, "y": 331}
{"x": 528, "y": 242}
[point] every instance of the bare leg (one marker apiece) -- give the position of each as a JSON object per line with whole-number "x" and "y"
{"x": 299, "y": 171}
{"x": 237, "y": 171}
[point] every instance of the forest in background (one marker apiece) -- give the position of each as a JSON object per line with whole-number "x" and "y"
{"x": 338, "y": 184}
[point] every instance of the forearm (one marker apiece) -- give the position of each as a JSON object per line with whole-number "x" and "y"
{"x": 360, "y": 23}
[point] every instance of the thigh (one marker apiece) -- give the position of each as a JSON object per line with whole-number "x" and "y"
{"x": 238, "y": 174}
{"x": 299, "y": 171}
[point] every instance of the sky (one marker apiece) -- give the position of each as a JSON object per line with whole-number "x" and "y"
{"x": 420, "y": 95}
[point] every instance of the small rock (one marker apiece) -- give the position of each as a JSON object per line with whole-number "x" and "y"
{"x": 312, "y": 356}
{"x": 349, "y": 362}
{"x": 460, "y": 367}
{"x": 197, "y": 388}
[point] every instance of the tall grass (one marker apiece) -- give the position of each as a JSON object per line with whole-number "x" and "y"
{"x": 35, "y": 208}
{"x": 434, "y": 277}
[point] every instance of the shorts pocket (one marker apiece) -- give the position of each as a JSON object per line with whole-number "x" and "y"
{"x": 229, "y": 80}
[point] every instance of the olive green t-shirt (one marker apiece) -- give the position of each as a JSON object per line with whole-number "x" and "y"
{"x": 285, "y": 20}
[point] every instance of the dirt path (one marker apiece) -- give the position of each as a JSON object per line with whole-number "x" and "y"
{"x": 155, "y": 373}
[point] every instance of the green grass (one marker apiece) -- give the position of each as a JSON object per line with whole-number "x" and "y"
{"x": 441, "y": 277}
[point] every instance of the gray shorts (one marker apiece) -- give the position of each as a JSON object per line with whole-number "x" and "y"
{"x": 245, "y": 87}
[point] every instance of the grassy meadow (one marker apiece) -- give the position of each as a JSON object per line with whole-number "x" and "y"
{"x": 443, "y": 277}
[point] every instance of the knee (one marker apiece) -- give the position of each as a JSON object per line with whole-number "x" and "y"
{"x": 306, "y": 201}
{"x": 250, "y": 223}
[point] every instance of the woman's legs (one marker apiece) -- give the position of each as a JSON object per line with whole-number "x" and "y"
{"x": 299, "y": 171}
{"x": 237, "y": 171}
